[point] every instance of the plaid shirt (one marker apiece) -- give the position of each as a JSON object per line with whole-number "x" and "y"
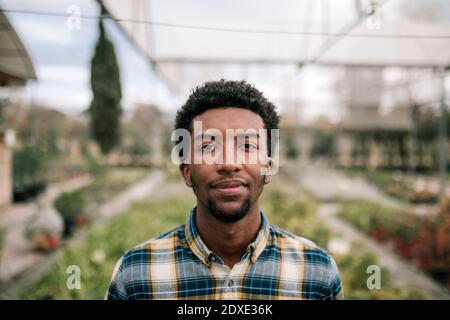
{"x": 178, "y": 265}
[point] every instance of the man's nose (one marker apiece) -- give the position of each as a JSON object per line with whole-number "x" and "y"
{"x": 227, "y": 168}
{"x": 230, "y": 164}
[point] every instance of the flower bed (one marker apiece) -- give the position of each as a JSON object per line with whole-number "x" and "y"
{"x": 398, "y": 185}
{"x": 426, "y": 243}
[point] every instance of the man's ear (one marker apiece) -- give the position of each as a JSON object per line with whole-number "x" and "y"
{"x": 186, "y": 172}
{"x": 268, "y": 175}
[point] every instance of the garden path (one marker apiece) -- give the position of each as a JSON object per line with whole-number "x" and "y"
{"x": 329, "y": 185}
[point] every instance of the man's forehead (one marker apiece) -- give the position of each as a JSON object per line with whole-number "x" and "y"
{"x": 230, "y": 118}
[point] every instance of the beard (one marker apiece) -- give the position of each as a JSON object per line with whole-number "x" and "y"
{"x": 225, "y": 215}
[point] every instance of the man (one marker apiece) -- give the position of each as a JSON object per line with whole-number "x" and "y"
{"x": 226, "y": 249}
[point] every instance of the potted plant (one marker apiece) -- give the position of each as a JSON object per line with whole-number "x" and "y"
{"x": 44, "y": 228}
{"x": 29, "y": 171}
{"x": 71, "y": 206}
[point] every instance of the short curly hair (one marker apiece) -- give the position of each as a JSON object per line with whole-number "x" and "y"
{"x": 227, "y": 93}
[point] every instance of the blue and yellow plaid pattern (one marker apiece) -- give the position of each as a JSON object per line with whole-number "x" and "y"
{"x": 178, "y": 265}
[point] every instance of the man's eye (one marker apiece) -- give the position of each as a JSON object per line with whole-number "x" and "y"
{"x": 249, "y": 146}
{"x": 208, "y": 147}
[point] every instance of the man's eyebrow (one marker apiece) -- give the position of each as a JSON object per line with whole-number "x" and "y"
{"x": 247, "y": 135}
{"x": 203, "y": 136}
{"x": 208, "y": 136}
{"x": 253, "y": 136}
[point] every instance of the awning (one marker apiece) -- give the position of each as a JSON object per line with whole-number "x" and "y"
{"x": 15, "y": 63}
{"x": 174, "y": 35}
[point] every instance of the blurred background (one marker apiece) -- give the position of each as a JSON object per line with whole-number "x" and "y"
{"x": 88, "y": 95}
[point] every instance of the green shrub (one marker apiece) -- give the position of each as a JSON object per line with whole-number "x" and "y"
{"x": 96, "y": 166}
{"x": 369, "y": 217}
{"x": 71, "y": 204}
{"x": 354, "y": 275}
{"x": 295, "y": 213}
{"x": 396, "y": 184}
{"x": 28, "y": 167}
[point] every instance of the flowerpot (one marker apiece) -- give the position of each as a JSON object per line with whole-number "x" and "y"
{"x": 69, "y": 227}
{"x": 81, "y": 221}
{"x": 380, "y": 235}
{"x": 45, "y": 242}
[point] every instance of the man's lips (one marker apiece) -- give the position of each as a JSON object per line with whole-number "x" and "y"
{"x": 229, "y": 187}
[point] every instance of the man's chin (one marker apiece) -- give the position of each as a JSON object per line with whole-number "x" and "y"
{"x": 229, "y": 212}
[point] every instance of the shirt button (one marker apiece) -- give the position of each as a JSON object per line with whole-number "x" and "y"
{"x": 230, "y": 283}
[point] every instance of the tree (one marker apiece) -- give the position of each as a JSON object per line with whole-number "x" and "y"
{"x": 105, "y": 109}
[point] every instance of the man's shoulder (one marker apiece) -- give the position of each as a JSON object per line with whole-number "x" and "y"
{"x": 317, "y": 263}
{"x": 289, "y": 237}
{"x": 165, "y": 242}
{"x": 297, "y": 245}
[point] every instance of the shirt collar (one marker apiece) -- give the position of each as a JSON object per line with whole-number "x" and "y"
{"x": 206, "y": 256}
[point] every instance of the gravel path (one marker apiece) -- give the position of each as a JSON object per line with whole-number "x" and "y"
{"x": 328, "y": 185}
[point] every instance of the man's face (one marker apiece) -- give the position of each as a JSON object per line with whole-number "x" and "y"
{"x": 230, "y": 188}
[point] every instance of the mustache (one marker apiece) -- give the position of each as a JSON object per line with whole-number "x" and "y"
{"x": 229, "y": 180}
{"x": 215, "y": 182}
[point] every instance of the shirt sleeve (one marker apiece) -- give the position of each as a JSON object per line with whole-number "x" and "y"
{"x": 336, "y": 291}
{"x": 116, "y": 289}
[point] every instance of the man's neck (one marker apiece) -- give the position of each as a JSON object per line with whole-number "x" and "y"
{"x": 228, "y": 240}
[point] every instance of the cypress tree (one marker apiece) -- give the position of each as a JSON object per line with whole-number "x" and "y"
{"x": 105, "y": 109}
